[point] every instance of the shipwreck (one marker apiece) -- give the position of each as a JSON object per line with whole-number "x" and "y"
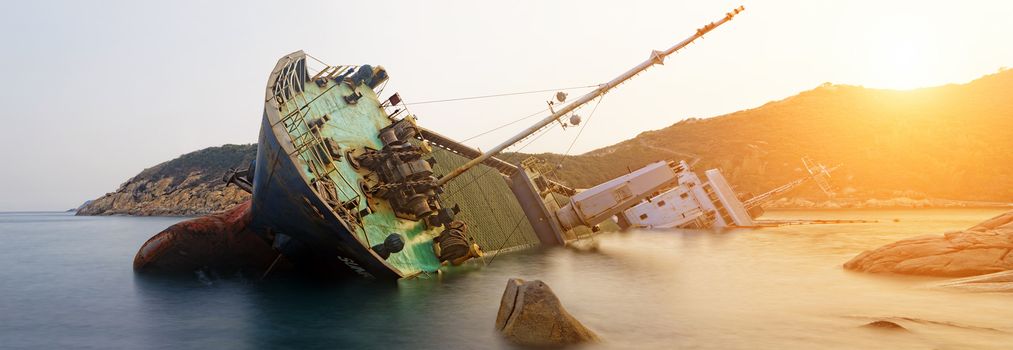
{"x": 348, "y": 184}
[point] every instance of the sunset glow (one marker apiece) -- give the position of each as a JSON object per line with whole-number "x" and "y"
{"x": 903, "y": 51}
{"x": 773, "y": 50}
{"x": 403, "y": 174}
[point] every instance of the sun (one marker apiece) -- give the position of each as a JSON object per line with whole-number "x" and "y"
{"x": 902, "y": 66}
{"x": 900, "y": 54}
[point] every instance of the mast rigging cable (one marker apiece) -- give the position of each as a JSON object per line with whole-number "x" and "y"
{"x": 502, "y": 95}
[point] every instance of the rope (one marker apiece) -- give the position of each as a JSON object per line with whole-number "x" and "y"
{"x": 271, "y": 268}
{"x": 504, "y": 125}
{"x": 488, "y": 206}
{"x": 521, "y": 217}
{"x": 316, "y": 59}
{"x": 503, "y": 94}
{"x": 581, "y": 130}
{"x": 515, "y": 154}
{"x": 511, "y": 235}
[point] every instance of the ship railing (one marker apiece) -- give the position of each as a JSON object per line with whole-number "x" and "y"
{"x": 394, "y": 106}
{"x": 308, "y": 146}
{"x": 290, "y": 81}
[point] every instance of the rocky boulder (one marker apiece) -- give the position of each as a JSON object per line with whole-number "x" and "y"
{"x": 885, "y": 325}
{"x": 530, "y": 314}
{"x": 982, "y": 249}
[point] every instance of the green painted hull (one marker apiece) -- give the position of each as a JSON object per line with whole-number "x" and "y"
{"x": 300, "y": 114}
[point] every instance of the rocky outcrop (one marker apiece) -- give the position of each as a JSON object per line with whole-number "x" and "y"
{"x": 982, "y": 249}
{"x": 164, "y": 197}
{"x": 189, "y": 185}
{"x": 530, "y": 314}
{"x": 885, "y": 325}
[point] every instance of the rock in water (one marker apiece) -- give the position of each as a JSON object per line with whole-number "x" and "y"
{"x": 885, "y": 325}
{"x": 220, "y": 242}
{"x": 530, "y": 314}
{"x": 984, "y": 248}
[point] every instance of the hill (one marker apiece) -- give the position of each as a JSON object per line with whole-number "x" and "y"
{"x": 189, "y": 185}
{"x": 953, "y": 142}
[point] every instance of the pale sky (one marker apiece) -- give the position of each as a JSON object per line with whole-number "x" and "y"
{"x": 95, "y": 91}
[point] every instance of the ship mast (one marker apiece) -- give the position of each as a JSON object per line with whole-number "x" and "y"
{"x": 657, "y": 57}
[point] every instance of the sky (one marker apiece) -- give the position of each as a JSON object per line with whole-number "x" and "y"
{"x": 94, "y": 92}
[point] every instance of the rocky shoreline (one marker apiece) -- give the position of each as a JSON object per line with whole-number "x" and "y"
{"x": 161, "y": 198}
{"x": 982, "y": 249}
{"x": 189, "y": 185}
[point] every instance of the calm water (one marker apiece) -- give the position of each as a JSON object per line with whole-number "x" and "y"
{"x": 66, "y": 282}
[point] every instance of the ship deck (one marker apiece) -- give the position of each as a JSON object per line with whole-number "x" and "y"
{"x": 495, "y": 219}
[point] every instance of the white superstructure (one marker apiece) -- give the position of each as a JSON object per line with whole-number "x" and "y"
{"x": 670, "y": 195}
{"x": 692, "y": 203}
{"x": 596, "y": 204}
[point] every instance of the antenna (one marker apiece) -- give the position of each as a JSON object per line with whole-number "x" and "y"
{"x": 820, "y": 175}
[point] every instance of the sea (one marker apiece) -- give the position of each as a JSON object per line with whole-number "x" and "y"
{"x": 66, "y": 282}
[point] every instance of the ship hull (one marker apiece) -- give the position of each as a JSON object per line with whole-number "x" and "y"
{"x": 283, "y": 204}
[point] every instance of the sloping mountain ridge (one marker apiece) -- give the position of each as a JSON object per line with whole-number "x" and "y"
{"x": 953, "y": 141}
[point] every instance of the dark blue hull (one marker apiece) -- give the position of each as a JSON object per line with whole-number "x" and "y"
{"x": 284, "y": 204}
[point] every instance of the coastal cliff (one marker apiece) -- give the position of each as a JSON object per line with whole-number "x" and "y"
{"x": 186, "y": 186}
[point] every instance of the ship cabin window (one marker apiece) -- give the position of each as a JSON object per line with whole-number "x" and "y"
{"x": 661, "y": 203}
{"x": 643, "y": 216}
{"x": 684, "y": 195}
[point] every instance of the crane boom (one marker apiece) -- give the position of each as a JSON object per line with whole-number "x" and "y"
{"x": 657, "y": 57}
